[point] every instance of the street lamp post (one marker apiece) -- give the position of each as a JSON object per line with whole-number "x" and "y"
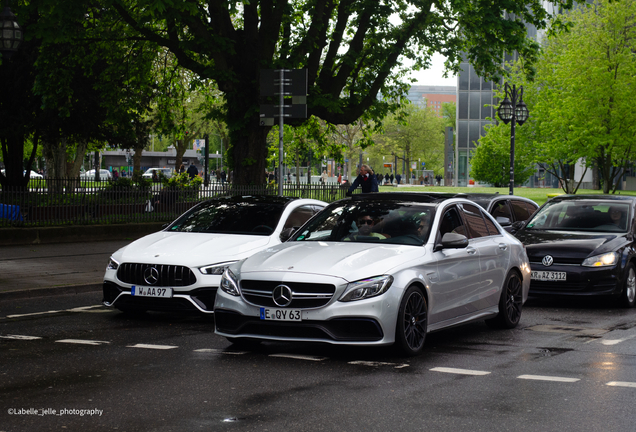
{"x": 513, "y": 112}
{"x": 10, "y": 33}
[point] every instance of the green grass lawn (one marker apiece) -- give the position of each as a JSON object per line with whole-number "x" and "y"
{"x": 538, "y": 195}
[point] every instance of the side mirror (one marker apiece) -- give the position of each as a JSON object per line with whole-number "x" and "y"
{"x": 503, "y": 221}
{"x": 287, "y": 233}
{"x": 454, "y": 241}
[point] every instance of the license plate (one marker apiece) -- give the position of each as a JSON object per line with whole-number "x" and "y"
{"x": 142, "y": 291}
{"x": 281, "y": 314}
{"x": 548, "y": 276}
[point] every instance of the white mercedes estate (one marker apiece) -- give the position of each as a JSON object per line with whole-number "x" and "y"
{"x": 378, "y": 269}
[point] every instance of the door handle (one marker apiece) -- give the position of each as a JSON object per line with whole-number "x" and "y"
{"x": 471, "y": 250}
{"x": 503, "y": 246}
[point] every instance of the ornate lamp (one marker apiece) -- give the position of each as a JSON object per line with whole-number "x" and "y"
{"x": 10, "y": 33}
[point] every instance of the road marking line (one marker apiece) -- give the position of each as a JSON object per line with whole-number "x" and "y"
{"x": 82, "y": 341}
{"x": 299, "y": 357}
{"x": 88, "y": 309}
{"x": 615, "y": 341}
{"x": 20, "y": 337}
{"x": 548, "y": 378}
{"x": 32, "y": 314}
{"x": 376, "y": 364}
{"x": 149, "y": 346}
{"x": 459, "y": 371}
{"x": 219, "y": 351}
{"x": 621, "y": 384}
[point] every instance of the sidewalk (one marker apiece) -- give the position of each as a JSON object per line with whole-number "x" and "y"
{"x": 59, "y": 263}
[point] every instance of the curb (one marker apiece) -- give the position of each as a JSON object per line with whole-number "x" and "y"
{"x": 45, "y": 292}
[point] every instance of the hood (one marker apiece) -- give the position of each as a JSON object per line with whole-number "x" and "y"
{"x": 574, "y": 247}
{"x": 349, "y": 261}
{"x": 191, "y": 249}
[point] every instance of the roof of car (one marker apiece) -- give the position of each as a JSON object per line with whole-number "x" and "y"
{"x": 422, "y": 197}
{"x": 264, "y": 199}
{"x": 593, "y": 197}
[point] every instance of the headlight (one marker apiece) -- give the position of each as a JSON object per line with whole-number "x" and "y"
{"x": 229, "y": 284}
{"x": 366, "y": 288}
{"x": 112, "y": 264}
{"x": 608, "y": 259}
{"x": 215, "y": 269}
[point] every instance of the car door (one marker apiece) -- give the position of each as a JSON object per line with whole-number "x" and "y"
{"x": 458, "y": 277}
{"x": 494, "y": 255}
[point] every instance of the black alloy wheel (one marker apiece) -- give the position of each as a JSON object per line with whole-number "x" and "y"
{"x": 410, "y": 332}
{"x": 510, "y": 303}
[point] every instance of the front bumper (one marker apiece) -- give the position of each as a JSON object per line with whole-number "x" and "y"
{"x": 580, "y": 281}
{"x": 195, "y": 300}
{"x": 365, "y": 322}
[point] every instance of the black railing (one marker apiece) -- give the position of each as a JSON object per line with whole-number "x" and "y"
{"x": 73, "y": 201}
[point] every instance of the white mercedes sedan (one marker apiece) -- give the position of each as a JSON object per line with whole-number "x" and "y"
{"x": 180, "y": 267}
{"x": 378, "y": 269}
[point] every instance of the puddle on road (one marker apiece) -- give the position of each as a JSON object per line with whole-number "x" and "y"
{"x": 578, "y": 331}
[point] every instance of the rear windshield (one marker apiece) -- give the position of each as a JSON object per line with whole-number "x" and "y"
{"x": 599, "y": 216}
{"x": 231, "y": 218}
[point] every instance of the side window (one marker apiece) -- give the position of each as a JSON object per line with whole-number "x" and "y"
{"x": 299, "y": 217}
{"x": 452, "y": 222}
{"x": 520, "y": 209}
{"x": 475, "y": 221}
{"x": 502, "y": 209}
{"x": 492, "y": 228}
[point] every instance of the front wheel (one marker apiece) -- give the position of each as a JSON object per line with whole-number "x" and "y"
{"x": 410, "y": 331}
{"x": 510, "y": 303}
{"x": 628, "y": 296}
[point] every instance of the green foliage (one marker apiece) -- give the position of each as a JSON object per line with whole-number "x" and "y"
{"x": 581, "y": 102}
{"x": 490, "y": 161}
{"x": 184, "y": 182}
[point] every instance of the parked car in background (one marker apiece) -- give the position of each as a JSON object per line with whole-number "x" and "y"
{"x": 104, "y": 174}
{"x": 508, "y": 210}
{"x": 156, "y": 173}
{"x": 583, "y": 245}
{"x": 180, "y": 267}
{"x": 32, "y": 175}
{"x": 378, "y": 269}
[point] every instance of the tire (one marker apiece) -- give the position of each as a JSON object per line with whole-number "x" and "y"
{"x": 510, "y": 303}
{"x": 628, "y": 295}
{"x": 410, "y": 331}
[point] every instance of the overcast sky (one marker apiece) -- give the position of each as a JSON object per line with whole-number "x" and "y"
{"x": 433, "y": 76}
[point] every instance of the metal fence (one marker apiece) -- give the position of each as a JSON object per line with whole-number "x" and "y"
{"x": 51, "y": 202}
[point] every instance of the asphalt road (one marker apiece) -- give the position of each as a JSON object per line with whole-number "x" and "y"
{"x": 566, "y": 368}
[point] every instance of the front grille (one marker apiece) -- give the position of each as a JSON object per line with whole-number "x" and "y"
{"x": 304, "y": 295}
{"x": 168, "y": 275}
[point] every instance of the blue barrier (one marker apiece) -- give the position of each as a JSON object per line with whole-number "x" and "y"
{"x": 11, "y": 212}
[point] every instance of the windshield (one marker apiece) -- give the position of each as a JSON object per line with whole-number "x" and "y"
{"x": 371, "y": 222}
{"x": 598, "y": 216}
{"x": 253, "y": 218}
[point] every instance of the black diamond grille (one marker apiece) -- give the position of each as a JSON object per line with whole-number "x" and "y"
{"x": 305, "y": 295}
{"x": 169, "y": 275}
